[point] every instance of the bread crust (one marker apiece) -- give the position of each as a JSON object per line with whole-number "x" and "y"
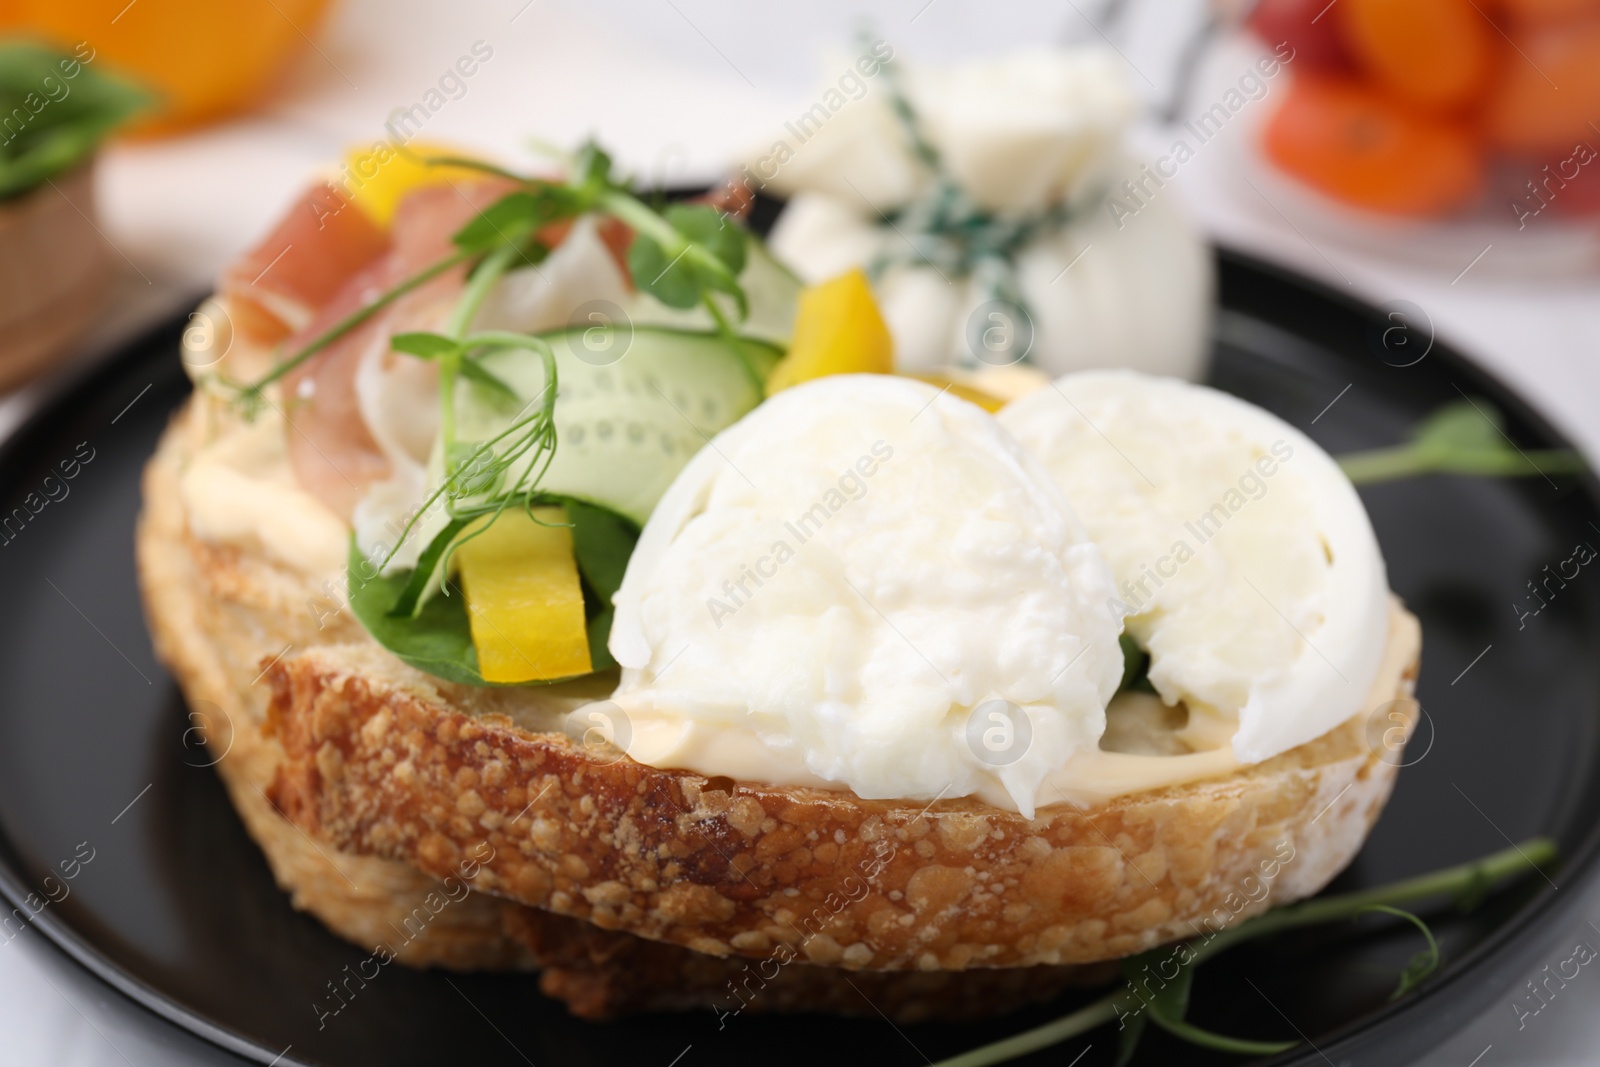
{"x": 213, "y": 613}
{"x": 383, "y": 767}
{"x": 381, "y": 761}
{"x": 219, "y": 614}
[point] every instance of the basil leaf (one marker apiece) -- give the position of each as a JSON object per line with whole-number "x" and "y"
{"x": 57, "y": 110}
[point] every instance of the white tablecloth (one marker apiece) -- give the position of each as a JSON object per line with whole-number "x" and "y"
{"x": 676, "y": 88}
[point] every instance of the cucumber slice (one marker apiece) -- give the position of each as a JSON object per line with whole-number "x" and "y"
{"x": 771, "y": 288}
{"x": 632, "y": 407}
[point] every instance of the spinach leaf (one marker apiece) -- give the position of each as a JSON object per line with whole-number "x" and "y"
{"x": 1135, "y": 667}
{"x": 603, "y": 541}
{"x": 437, "y": 639}
{"x": 434, "y": 634}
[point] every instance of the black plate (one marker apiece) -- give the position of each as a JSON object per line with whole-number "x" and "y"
{"x": 178, "y": 911}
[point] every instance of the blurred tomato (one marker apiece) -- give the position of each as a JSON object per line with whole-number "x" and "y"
{"x": 1546, "y": 189}
{"x": 206, "y": 58}
{"x": 1359, "y": 146}
{"x": 1309, "y": 28}
{"x": 1436, "y": 54}
{"x": 1529, "y": 12}
{"x": 1549, "y": 92}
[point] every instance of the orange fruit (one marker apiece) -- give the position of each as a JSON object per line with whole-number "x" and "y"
{"x": 1546, "y": 97}
{"x": 1357, "y": 145}
{"x": 204, "y": 59}
{"x": 1437, "y": 54}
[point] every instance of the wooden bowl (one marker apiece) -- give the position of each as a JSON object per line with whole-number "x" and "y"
{"x": 54, "y": 266}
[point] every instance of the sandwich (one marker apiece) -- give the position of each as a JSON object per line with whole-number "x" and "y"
{"x": 562, "y": 585}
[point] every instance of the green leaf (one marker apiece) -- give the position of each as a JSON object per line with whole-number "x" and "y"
{"x": 55, "y": 119}
{"x": 1423, "y": 964}
{"x": 437, "y": 639}
{"x": 1135, "y": 667}
{"x": 424, "y": 345}
{"x": 712, "y": 230}
{"x": 1128, "y": 1039}
{"x": 1220, "y": 1042}
{"x": 1461, "y": 437}
{"x": 603, "y": 542}
{"x": 667, "y": 278}
{"x": 474, "y": 372}
{"x": 517, "y": 216}
{"x": 1169, "y": 1002}
{"x": 591, "y": 167}
{"x": 512, "y": 216}
{"x": 410, "y": 598}
{"x": 599, "y": 635}
{"x": 1462, "y": 426}
{"x": 709, "y": 260}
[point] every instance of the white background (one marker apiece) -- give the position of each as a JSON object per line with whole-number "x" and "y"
{"x": 678, "y": 88}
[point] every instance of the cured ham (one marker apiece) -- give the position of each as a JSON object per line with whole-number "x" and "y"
{"x": 332, "y": 448}
{"x": 277, "y": 287}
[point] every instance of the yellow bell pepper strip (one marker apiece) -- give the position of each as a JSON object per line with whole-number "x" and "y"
{"x": 524, "y": 600}
{"x": 970, "y": 393}
{"x": 378, "y": 177}
{"x": 837, "y": 330}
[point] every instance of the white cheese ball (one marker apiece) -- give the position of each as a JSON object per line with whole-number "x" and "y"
{"x": 856, "y": 570}
{"x": 1244, "y": 560}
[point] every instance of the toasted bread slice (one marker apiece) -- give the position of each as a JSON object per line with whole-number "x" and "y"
{"x": 220, "y": 614}
{"x": 400, "y": 775}
{"x": 386, "y": 761}
{"x": 213, "y": 612}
